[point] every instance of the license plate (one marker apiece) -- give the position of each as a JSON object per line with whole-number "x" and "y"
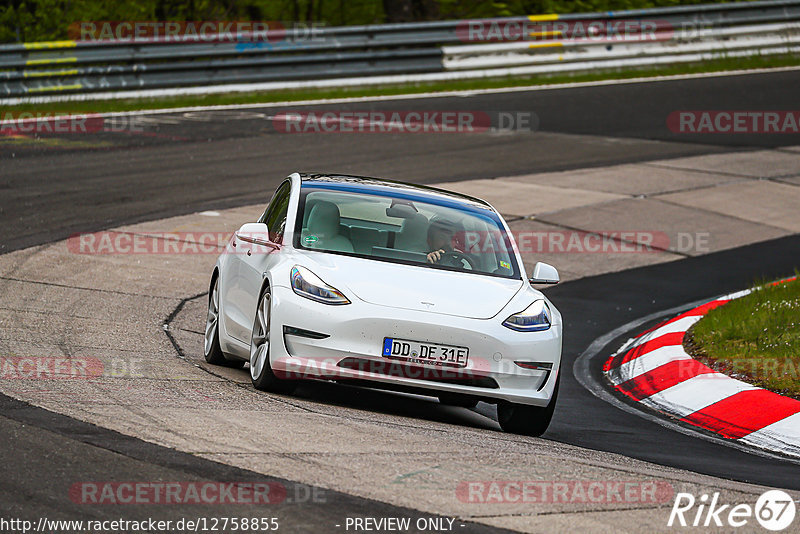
{"x": 428, "y": 353}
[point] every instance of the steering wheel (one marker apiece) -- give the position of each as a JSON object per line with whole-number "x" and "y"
{"x": 457, "y": 256}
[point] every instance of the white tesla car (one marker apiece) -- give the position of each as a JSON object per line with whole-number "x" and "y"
{"x": 392, "y": 285}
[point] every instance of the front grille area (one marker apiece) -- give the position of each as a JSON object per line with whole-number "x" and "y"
{"x": 406, "y": 370}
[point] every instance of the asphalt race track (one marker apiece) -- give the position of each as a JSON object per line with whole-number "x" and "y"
{"x": 218, "y": 159}
{"x": 227, "y": 159}
{"x": 596, "y": 305}
{"x": 44, "y": 453}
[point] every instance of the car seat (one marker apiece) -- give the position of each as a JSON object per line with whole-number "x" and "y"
{"x": 323, "y": 229}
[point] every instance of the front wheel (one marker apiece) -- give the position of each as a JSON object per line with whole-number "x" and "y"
{"x": 261, "y": 373}
{"x": 527, "y": 420}
{"x": 211, "y": 349}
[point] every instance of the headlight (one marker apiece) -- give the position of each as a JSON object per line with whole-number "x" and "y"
{"x": 534, "y": 318}
{"x": 308, "y": 285}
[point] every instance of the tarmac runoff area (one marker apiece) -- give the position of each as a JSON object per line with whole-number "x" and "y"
{"x": 109, "y": 311}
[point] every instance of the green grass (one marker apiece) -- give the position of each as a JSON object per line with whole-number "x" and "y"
{"x": 755, "y": 338}
{"x": 99, "y": 106}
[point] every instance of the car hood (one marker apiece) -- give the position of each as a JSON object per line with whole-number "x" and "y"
{"x": 415, "y": 287}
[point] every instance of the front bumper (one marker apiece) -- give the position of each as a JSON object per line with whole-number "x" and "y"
{"x": 355, "y": 334}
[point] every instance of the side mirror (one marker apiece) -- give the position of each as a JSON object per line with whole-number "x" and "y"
{"x": 255, "y": 233}
{"x": 544, "y": 273}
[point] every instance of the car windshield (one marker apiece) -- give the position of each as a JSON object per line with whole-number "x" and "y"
{"x": 403, "y": 227}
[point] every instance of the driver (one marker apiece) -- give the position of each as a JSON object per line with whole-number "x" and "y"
{"x": 440, "y": 240}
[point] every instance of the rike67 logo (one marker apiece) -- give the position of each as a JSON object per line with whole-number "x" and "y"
{"x": 774, "y": 510}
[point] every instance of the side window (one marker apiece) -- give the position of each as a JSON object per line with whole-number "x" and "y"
{"x": 275, "y": 215}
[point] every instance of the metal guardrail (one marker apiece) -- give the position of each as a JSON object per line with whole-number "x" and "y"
{"x": 737, "y": 40}
{"x": 743, "y": 28}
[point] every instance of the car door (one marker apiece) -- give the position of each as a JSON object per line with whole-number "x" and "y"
{"x": 255, "y": 254}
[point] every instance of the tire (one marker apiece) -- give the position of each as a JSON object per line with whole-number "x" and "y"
{"x": 261, "y": 373}
{"x": 211, "y": 349}
{"x": 454, "y": 399}
{"x": 524, "y": 419}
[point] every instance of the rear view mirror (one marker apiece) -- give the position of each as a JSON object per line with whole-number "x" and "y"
{"x": 544, "y": 273}
{"x": 401, "y": 211}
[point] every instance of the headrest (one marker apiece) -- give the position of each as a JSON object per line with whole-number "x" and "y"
{"x": 324, "y": 220}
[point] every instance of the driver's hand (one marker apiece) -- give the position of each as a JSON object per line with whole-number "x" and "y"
{"x": 435, "y": 256}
